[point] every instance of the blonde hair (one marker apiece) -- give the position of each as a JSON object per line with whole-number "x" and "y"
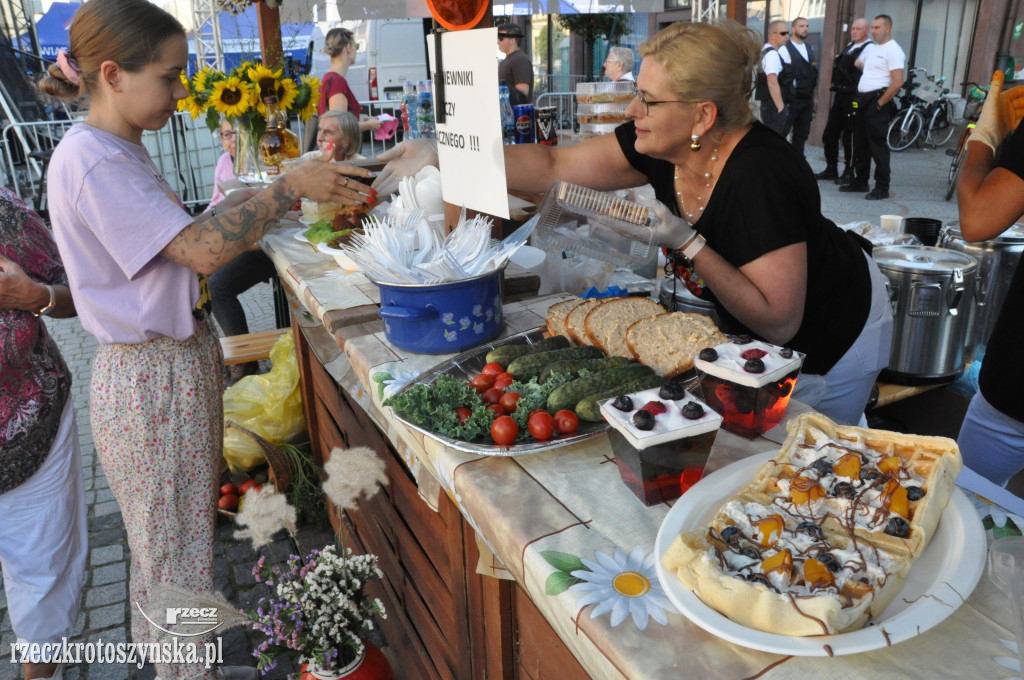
{"x": 337, "y": 39}
{"x": 710, "y": 62}
{"x": 129, "y": 32}
{"x": 349, "y": 125}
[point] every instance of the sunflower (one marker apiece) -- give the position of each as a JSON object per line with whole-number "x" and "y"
{"x": 266, "y": 83}
{"x": 231, "y": 97}
{"x": 287, "y": 90}
{"x": 309, "y": 91}
{"x": 190, "y": 104}
{"x": 201, "y": 80}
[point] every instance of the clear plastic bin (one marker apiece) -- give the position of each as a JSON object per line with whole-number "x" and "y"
{"x": 566, "y": 223}
{"x": 588, "y": 130}
{"x": 614, "y": 112}
{"x": 596, "y": 93}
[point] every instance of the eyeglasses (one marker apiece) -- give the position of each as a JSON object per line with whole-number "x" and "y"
{"x": 230, "y": 134}
{"x": 502, "y": 36}
{"x": 648, "y": 103}
{"x": 782, "y": 32}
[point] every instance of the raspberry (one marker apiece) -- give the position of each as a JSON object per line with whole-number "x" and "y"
{"x": 753, "y": 353}
{"x": 655, "y": 408}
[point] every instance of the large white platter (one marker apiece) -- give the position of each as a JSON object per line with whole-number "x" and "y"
{"x": 938, "y": 583}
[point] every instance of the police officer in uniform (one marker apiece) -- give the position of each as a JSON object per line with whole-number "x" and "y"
{"x": 845, "y": 75}
{"x": 804, "y": 64}
{"x": 774, "y": 86}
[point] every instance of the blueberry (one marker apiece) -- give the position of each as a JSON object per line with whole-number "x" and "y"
{"x": 822, "y": 467}
{"x": 786, "y": 388}
{"x": 728, "y": 533}
{"x": 743, "y": 339}
{"x": 693, "y": 410}
{"x": 868, "y": 475}
{"x": 843, "y": 490}
{"x": 708, "y": 354}
{"x": 915, "y": 493}
{"x": 753, "y": 366}
{"x": 643, "y": 420}
{"x": 623, "y": 403}
{"x": 751, "y": 553}
{"x": 898, "y": 527}
{"x": 745, "y": 402}
{"x": 786, "y": 353}
{"x": 758, "y": 578}
{"x": 672, "y": 390}
{"x": 828, "y": 559}
{"x": 811, "y": 528}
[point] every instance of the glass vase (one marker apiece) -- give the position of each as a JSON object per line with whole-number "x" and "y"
{"x": 248, "y": 165}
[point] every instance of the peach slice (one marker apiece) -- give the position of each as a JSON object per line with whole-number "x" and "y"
{"x": 781, "y": 561}
{"x": 848, "y": 466}
{"x": 770, "y": 528}
{"x": 805, "y": 490}
{"x": 817, "y": 575}
{"x": 890, "y": 465}
{"x": 894, "y": 499}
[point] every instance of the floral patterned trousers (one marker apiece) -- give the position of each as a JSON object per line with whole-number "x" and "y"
{"x": 157, "y": 423}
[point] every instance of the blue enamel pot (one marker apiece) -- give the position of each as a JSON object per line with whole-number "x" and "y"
{"x": 442, "y": 318}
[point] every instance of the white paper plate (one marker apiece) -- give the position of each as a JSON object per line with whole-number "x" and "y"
{"x": 938, "y": 583}
{"x": 343, "y": 260}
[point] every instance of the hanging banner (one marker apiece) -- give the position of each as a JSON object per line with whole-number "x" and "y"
{"x": 469, "y": 146}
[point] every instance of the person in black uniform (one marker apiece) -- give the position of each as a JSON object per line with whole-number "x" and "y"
{"x": 804, "y": 65}
{"x": 845, "y": 75}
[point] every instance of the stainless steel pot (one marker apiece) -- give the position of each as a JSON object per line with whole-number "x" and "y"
{"x": 676, "y": 297}
{"x": 997, "y": 260}
{"x": 932, "y": 292}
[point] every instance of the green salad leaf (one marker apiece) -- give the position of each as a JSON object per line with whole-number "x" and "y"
{"x": 432, "y": 407}
{"x": 320, "y": 232}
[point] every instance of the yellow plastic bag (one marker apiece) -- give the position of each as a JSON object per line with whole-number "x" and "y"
{"x": 269, "y": 405}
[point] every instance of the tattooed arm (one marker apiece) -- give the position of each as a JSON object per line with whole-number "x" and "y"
{"x": 207, "y": 245}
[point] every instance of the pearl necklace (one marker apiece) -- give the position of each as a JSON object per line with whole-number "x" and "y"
{"x": 689, "y": 216}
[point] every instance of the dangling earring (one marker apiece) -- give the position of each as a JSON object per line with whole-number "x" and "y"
{"x": 694, "y": 143}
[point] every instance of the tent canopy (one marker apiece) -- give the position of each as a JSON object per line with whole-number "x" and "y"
{"x": 52, "y": 28}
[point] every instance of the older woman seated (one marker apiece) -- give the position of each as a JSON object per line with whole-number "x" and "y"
{"x": 738, "y": 206}
{"x": 341, "y": 128}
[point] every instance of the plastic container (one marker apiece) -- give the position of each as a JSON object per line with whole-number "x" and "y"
{"x": 660, "y": 464}
{"x": 566, "y": 224}
{"x": 597, "y": 93}
{"x": 589, "y": 130}
{"x": 751, "y": 398}
{"x": 409, "y": 103}
{"x": 424, "y": 110}
{"x": 614, "y": 112}
{"x": 508, "y": 122}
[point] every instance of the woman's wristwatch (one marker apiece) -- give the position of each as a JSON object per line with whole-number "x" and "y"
{"x": 45, "y": 311}
{"x": 690, "y": 249}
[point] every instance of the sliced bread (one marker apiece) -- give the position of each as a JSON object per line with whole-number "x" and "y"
{"x": 577, "y": 315}
{"x": 558, "y": 313}
{"x": 606, "y": 324}
{"x": 668, "y": 342}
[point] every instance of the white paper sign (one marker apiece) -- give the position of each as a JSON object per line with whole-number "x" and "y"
{"x": 469, "y": 149}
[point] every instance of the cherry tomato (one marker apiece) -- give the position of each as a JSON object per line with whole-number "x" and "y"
{"x": 566, "y": 421}
{"x": 509, "y": 400}
{"x": 229, "y": 489}
{"x": 541, "y": 425}
{"x": 492, "y": 396}
{"x": 537, "y": 410}
{"x": 498, "y": 410}
{"x": 493, "y": 368}
{"x": 228, "y": 502}
{"x": 482, "y": 382}
{"x": 502, "y": 383}
{"x": 246, "y": 485}
{"x": 505, "y": 375}
{"x": 504, "y": 430}
{"x": 463, "y": 413}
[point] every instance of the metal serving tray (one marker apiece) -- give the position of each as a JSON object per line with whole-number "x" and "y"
{"x": 467, "y": 365}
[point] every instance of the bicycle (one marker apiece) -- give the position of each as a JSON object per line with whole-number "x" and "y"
{"x": 927, "y": 110}
{"x": 972, "y": 111}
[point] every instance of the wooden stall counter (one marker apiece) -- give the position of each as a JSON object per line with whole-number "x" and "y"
{"x": 538, "y": 566}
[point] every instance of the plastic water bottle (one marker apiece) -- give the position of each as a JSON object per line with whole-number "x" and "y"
{"x": 409, "y": 104}
{"x": 425, "y": 110}
{"x": 508, "y": 123}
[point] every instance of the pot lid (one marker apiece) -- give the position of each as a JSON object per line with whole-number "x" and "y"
{"x": 1012, "y": 236}
{"x": 922, "y": 259}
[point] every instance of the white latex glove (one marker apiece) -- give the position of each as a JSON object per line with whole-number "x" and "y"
{"x": 1000, "y": 114}
{"x": 673, "y": 232}
{"x": 404, "y": 160}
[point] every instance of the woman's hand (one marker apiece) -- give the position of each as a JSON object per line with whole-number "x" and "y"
{"x": 672, "y": 232}
{"x": 18, "y": 291}
{"x": 1000, "y": 114}
{"x": 335, "y": 182}
{"x": 404, "y": 160}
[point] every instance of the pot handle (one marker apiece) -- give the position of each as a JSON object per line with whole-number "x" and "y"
{"x": 956, "y": 292}
{"x": 407, "y": 312}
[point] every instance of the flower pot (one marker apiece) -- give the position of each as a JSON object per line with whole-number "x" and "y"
{"x": 372, "y": 665}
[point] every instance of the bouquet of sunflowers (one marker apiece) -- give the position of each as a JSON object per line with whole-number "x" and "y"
{"x": 238, "y": 96}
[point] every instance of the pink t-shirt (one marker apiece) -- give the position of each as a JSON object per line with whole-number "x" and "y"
{"x": 224, "y": 171}
{"x": 112, "y": 213}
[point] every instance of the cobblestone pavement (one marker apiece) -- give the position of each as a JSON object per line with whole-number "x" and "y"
{"x": 918, "y": 186}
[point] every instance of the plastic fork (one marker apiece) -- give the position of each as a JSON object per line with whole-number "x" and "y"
{"x": 1006, "y": 569}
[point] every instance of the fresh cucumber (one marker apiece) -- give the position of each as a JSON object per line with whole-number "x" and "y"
{"x": 530, "y": 366}
{"x": 574, "y": 366}
{"x": 589, "y": 407}
{"x": 570, "y": 394}
{"x": 506, "y": 353}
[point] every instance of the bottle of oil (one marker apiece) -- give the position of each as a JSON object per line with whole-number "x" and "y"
{"x": 278, "y": 143}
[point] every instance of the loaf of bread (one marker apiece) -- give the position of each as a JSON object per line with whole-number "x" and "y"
{"x": 574, "y": 322}
{"x": 668, "y": 343}
{"x": 558, "y": 313}
{"x": 822, "y": 538}
{"x": 606, "y": 323}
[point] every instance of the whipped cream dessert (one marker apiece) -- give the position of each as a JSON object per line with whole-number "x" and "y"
{"x": 752, "y": 363}
{"x": 670, "y": 423}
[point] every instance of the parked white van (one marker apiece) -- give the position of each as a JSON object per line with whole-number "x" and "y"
{"x": 397, "y": 48}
